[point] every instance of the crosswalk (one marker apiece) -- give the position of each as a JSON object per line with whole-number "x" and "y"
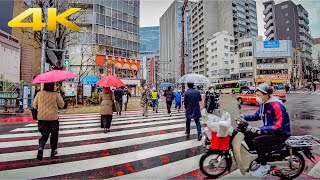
{"x": 136, "y": 147}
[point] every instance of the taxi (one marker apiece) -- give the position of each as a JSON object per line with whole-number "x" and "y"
{"x": 250, "y": 97}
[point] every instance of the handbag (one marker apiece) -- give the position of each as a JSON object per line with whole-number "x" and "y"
{"x": 34, "y": 113}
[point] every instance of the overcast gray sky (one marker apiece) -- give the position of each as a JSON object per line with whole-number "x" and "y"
{"x": 151, "y": 11}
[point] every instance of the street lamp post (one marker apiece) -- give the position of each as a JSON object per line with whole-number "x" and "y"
{"x": 185, "y": 3}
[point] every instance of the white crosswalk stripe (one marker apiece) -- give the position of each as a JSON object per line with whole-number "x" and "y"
{"x": 85, "y": 149}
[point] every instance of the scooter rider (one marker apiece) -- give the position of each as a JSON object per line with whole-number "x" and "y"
{"x": 275, "y": 131}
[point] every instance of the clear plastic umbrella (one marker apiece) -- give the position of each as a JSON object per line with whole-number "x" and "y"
{"x": 194, "y": 78}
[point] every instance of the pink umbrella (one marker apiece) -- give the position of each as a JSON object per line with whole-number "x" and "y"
{"x": 53, "y": 76}
{"x": 110, "y": 81}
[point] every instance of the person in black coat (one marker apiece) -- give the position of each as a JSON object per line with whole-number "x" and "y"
{"x": 127, "y": 94}
{"x": 169, "y": 98}
{"x": 211, "y": 99}
{"x": 118, "y": 93}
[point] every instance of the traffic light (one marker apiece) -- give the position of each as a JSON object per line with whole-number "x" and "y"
{"x": 66, "y": 61}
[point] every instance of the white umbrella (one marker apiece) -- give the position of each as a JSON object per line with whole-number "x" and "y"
{"x": 194, "y": 78}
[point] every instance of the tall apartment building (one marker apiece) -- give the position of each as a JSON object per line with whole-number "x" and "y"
{"x": 287, "y": 20}
{"x": 237, "y": 17}
{"x": 170, "y": 41}
{"x": 221, "y": 59}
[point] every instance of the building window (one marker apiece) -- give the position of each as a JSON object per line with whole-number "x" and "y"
{"x": 226, "y": 47}
{"x": 286, "y": 14}
{"x": 226, "y": 62}
{"x": 226, "y": 54}
{"x": 226, "y": 39}
{"x": 287, "y": 29}
{"x": 287, "y": 22}
{"x": 284, "y": 7}
{"x": 232, "y": 69}
{"x": 232, "y": 61}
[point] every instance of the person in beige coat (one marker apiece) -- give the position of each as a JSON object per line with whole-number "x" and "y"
{"x": 47, "y": 102}
{"x": 106, "y": 99}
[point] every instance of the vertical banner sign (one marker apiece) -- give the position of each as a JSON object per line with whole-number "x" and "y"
{"x": 152, "y": 72}
{"x": 25, "y": 94}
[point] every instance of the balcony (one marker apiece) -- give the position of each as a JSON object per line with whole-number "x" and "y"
{"x": 308, "y": 48}
{"x": 302, "y": 16}
{"x": 302, "y": 30}
{"x": 266, "y": 18}
{"x": 270, "y": 22}
{"x": 303, "y": 23}
{"x": 267, "y": 10}
{"x": 308, "y": 34}
{"x": 306, "y": 40}
{"x": 240, "y": 3}
{"x": 269, "y": 30}
{"x": 271, "y": 36}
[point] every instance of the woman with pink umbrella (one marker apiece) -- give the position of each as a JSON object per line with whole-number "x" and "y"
{"x": 107, "y": 100}
{"x": 47, "y": 102}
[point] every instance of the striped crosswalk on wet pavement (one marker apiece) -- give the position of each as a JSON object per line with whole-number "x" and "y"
{"x": 137, "y": 147}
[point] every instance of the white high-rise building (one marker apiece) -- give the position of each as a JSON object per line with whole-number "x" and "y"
{"x": 245, "y": 56}
{"x": 222, "y": 64}
{"x": 237, "y": 17}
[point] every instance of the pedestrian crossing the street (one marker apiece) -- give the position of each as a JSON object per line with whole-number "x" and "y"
{"x": 137, "y": 147}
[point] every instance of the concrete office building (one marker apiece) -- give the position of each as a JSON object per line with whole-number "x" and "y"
{"x": 149, "y": 39}
{"x": 29, "y": 55}
{"x": 220, "y": 57}
{"x": 287, "y": 20}
{"x": 111, "y": 32}
{"x": 170, "y": 42}
{"x": 10, "y": 58}
{"x": 237, "y": 17}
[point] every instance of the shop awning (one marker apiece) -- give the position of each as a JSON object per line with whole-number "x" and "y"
{"x": 91, "y": 80}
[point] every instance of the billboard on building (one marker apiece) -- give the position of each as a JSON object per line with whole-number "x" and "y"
{"x": 275, "y": 48}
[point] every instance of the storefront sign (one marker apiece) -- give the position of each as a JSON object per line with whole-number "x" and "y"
{"x": 272, "y": 78}
{"x": 259, "y": 80}
{"x": 271, "y": 44}
{"x": 272, "y": 66}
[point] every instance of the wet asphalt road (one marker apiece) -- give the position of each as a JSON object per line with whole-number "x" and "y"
{"x": 303, "y": 109}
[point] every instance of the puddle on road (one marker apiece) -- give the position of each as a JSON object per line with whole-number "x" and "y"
{"x": 305, "y": 116}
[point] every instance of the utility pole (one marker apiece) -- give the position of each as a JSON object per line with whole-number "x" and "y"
{"x": 43, "y": 45}
{"x": 185, "y": 4}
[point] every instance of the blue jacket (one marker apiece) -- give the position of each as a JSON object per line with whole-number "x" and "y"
{"x": 192, "y": 97}
{"x": 177, "y": 96}
{"x": 275, "y": 117}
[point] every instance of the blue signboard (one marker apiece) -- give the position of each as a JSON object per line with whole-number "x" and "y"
{"x": 271, "y": 44}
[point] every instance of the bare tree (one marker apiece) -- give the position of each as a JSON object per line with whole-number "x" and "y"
{"x": 62, "y": 37}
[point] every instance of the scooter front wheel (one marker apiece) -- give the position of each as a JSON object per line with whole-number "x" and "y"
{"x": 214, "y": 165}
